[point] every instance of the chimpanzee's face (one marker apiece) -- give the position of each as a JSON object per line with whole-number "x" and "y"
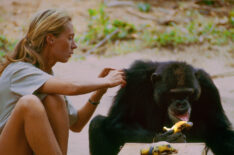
{"x": 176, "y": 88}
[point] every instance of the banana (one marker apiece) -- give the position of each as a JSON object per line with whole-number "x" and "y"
{"x": 158, "y": 150}
{"x": 179, "y": 126}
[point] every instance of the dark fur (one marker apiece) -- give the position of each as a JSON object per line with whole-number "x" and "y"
{"x": 139, "y": 110}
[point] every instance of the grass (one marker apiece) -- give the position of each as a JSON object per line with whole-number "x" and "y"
{"x": 101, "y": 26}
{"x": 199, "y": 31}
{"x": 192, "y": 33}
{"x": 6, "y": 46}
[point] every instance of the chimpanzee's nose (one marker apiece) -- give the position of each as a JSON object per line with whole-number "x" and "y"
{"x": 181, "y": 103}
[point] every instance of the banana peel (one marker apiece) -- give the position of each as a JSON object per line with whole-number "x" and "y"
{"x": 158, "y": 150}
{"x": 179, "y": 126}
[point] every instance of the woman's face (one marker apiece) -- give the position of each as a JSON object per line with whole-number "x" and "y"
{"x": 63, "y": 45}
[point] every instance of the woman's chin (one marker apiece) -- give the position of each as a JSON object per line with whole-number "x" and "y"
{"x": 64, "y": 60}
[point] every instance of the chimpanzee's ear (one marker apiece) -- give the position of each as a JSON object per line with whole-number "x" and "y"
{"x": 203, "y": 77}
{"x": 155, "y": 77}
{"x": 210, "y": 97}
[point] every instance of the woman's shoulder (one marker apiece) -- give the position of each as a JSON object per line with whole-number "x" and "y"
{"x": 18, "y": 66}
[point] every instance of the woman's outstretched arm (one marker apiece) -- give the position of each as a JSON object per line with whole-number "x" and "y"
{"x": 57, "y": 86}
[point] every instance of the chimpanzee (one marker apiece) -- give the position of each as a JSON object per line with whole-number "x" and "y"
{"x": 160, "y": 94}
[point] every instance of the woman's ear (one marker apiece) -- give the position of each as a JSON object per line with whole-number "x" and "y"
{"x": 50, "y": 39}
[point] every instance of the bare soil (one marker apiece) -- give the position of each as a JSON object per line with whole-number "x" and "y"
{"x": 216, "y": 60}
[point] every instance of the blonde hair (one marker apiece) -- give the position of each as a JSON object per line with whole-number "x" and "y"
{"x": 28, "y": 49}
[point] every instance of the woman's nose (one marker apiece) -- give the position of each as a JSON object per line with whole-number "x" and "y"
{"x": 74, "y": 45}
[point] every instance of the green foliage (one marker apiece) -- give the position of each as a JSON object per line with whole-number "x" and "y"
{"x": 1, "y": 20}
{"x": 171, "y": 37}
{"x": 125, "y": 29}
{"x": 208, "y": 2}
{"x": 130, "y": 37}
{"x": 231, "y": 17}
{"x": 5, "y": 46}
{"x": 192, "y": 33}
{"x": 100, "y": 26}
{"x": 144, "y": 7}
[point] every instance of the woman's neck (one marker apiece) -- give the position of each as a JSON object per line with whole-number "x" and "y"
{"x": 48, "y": 60}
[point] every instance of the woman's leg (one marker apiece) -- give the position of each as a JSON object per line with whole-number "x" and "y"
{"x": 28, "y": 129}
{"x": 57, "y": 113}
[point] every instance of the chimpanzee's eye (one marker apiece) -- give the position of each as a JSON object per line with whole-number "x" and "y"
{"x": 155, "y": 77}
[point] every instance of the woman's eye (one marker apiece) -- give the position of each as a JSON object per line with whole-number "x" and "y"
{"x": 70, "y": 37}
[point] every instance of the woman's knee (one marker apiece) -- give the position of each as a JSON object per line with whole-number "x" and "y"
{"x": 56, "y": 102}
{"x": 30, "y": 104}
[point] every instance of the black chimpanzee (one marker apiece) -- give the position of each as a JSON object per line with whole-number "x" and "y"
{"x": 159, "y": 94}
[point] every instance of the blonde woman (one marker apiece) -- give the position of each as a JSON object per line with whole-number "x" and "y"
{"x": 34, "y": 117}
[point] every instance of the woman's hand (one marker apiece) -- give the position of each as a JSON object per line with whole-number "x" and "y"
{"x": 105, "y": 72}
{"x": 113, "y": 77}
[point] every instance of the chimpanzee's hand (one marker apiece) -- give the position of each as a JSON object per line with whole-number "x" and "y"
{"x": 170, "y": 137}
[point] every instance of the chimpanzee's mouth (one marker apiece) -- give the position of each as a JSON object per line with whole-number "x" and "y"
{"x": 182, "y": 116}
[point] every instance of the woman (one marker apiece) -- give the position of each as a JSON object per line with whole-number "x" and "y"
{"x": 34, "y": 117}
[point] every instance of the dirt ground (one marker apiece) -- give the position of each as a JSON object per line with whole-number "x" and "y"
{"x": 215, "y": 60}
